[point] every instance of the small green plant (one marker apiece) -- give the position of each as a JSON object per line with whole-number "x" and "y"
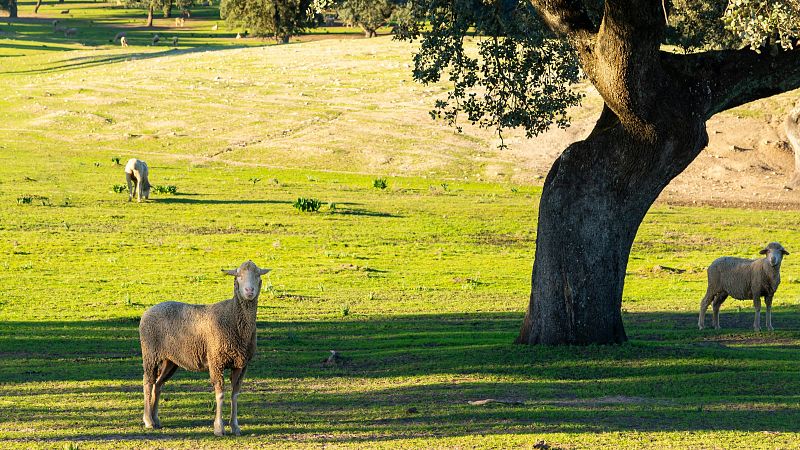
{"x": 345, "y": 310}
{"x": 115, "y": 160}
{"x": 128, "y": 300}
{"x": 445, "y": 186}
{"x": 67, "y": 201}
{"x": 275, "y": 181}
{"x": 514, "y": 189}
{"x": 332, "y": 207}
{"x": 254, "y": 180}
{"x": 371, "y": 295}
{"x": 118, "y": 188}
{"x": 161, "y": 189}
{"x": 379, "y": 183}
{"x": 307, "y": 204}
{"x": 97, "y": 164}
{"x": 30, "y": 199}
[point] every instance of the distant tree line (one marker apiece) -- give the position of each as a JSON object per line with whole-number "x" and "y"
{"x": 282, "y": 19}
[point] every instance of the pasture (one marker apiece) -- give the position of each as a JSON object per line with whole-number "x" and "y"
{"x": 421, "y": 286}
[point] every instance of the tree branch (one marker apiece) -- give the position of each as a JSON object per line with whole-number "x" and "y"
{"x": 731, "y": 78}
{"x": 565, "y": 17}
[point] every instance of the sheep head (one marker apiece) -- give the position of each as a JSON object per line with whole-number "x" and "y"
{"x": 775, "y": 253}
{"x": 247, "y": 280}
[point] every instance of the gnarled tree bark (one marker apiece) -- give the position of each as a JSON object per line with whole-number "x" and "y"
{"x": 652, "y": 127}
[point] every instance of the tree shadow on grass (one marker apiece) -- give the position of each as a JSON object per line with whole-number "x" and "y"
{"x": 81, "y": 62}
{"x": 208, "y": 201}
{"x": 434, "y": 364}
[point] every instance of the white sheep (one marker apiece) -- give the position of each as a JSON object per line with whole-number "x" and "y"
{"x": 744, "y": 279}
{"x": 156, "y": 38}
{"x": 137, "y": 177}
{"x": 123, "y": 41}
{"x": 792, "y": 126}
{"x": 202, "y": 338}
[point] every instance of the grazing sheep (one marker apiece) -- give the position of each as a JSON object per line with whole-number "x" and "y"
{"x": 174, "y": 41}
{"x": 123, "y": 41}
{"x": 136, "y": 175}
{"x": 202, "y": 338}
{"x": 792, "y": 126}
{"x": 70, "y": 32}
{"x": 179, "y": 21}
{"x": 744, "y": 279}
{"x": 156, "y": 38}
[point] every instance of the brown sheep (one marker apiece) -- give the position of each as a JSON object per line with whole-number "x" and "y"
{"x": 202, "y": 338}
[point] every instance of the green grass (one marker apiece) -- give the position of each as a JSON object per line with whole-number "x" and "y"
{"x": 433, "y": 271}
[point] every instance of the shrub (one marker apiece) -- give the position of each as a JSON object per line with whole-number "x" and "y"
{"x": 30, "y": 199}
{"x": 379, "y": 183}
{"x": 307, "y": 204}
{"x": 115, "y": 160}
{"x": 160, "y": 189}
{"x": 118, "y": 188}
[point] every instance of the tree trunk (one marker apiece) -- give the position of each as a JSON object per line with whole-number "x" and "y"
{"x": 38, "y": 5}
{"x": 592, "y": 204}
{"x": 12, "y": 9}
{"x": 282, "y": 39}
{"x": 369, "y": 32}
{"x": 149, "y": 16}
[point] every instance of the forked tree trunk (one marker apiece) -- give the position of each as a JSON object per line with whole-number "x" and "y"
{"x": 149, "y": 16}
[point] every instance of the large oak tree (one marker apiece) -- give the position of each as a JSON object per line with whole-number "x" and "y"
{"x": 657, "y": 100}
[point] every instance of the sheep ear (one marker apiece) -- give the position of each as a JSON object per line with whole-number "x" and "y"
{"x": 266, "y": 271}
{"x": 784, "y": 251}
{"x": 763, "y": 252}
{"x": 233, "y": 272}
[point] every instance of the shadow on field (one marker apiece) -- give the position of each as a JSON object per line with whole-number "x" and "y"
{"x": 192, "y": 201}
{"x": 413, "y": 376}
{"x": 81, "y": 62}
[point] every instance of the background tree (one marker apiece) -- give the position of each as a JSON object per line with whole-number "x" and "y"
{"x": 367, "y": 14}
{"x": 10, "y": 6}
{"x": 653, "y": 123}
{"x": 279, "y": 19}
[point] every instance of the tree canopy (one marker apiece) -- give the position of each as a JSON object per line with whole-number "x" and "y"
{"x": 522, "y": 72}
{"x": 278, "y": 19}
{"x": 367, "y": 14}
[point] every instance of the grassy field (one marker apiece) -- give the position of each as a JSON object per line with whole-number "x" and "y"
{"x": 421, "y": 286}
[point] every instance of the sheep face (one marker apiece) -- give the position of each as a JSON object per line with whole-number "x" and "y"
{"x": 775, "y": 253}
{"x": 247, "y": 280}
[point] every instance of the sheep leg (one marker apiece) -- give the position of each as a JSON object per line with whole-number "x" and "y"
{"x": 768, "y": 302}
{"x": 168, "y": 369}
{"x": 138, "y": 189}
{"x": 718, "y": 300}
{"x": 757, "y": 307}
{"x": 236, "y": 384}
{"x": 218, "y": 381}
{"x": 149, "y": 379}
{"x": 701, "y": 320}
{"x": 130, "y": 186}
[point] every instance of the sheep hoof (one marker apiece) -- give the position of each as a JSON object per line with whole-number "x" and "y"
{"x": 219, "y": 429}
